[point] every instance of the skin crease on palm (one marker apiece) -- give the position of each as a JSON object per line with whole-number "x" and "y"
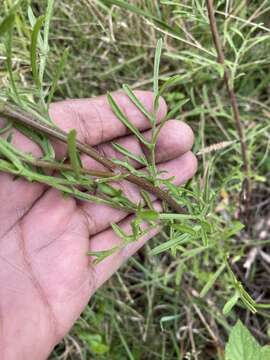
{"x": 46, "y": 278}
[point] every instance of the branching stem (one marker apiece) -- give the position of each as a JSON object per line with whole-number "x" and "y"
{"x": 17, "y": 115}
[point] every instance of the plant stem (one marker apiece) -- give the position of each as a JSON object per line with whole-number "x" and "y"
{"x": 232, "y": 95}
{"x": 66, "y": 167}
{"x": 17, "y": 115}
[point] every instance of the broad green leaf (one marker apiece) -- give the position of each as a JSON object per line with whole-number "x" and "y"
{"x": 243, "y": 346}
{"x": 265, "y": 353}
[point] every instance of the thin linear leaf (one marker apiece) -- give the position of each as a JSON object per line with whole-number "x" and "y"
{"x": 103, "y": 254}
{"x": 149, "y": 215}
{"x": 126, "y": 152}
{"x": 156, "y": 66}
{"x": 169, "y": 244}
{"x": 32, "y": 19}
{"x": 230, "y": 303}
{"x": 73, "y": 153}
{"x": 57, "y": 75}
{"x": 8, "y": 47}
{"x": 124, "y": 120}
{"x": 33, "y": 49}
{"x": 45, "y": 49}
{"x": 212, "y": 280}
{"x": 137, "y": 102}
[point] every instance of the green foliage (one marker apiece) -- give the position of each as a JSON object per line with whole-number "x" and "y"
{"x": 181, "y": 280}
{"x": 95, "y": 343}
{"x": 243, "y": 346}
{"x": 73, "y": 153}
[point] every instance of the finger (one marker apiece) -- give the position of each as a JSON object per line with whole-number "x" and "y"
{"x": 108, "y": 239}
{"x": 99, "y": 217}
{"x": 95, "y": 121}
{"x": 18, "y": 195}
{"x": 175, "y": 138}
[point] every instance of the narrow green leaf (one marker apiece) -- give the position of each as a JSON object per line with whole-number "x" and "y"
{"x": 124, "y": 120}
{"x": 169, "y": 244}
{"x": 140, "y": 159}
{"x": 7, "y": 24}
{"x": 137, "y": 102}
{"x": 212, "y": 279}
{"x": 148, "y": 215}
{"x": 136, "y": 10}
{"x": 103, "y": 254}
{"x": 230, "y": 303}
{"x": 119, "y": 232}
{"x": 6, "y": 127}
{"x": 57, "y": 75}
{"x": 32, "y": 19}
{"x": 184, "y": 229}
{"x": 73, "y": 153}
{"x": 109, "y": 190}
{"x": 34, "y": 49}
{"x": 147, "y": 199}
{"x": 45, "y": 48}
{"x": 8, "y": 46}
{"x": 156, "y": 66}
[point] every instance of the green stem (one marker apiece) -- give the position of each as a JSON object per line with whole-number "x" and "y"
{"x": 17, "y": 115}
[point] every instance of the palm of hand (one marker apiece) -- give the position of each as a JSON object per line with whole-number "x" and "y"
{"x": 46, "y": 278}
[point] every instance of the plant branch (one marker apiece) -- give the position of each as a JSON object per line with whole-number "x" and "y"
{"x": 17, "y": 115}
{"x": 66, "y": 167}
{"x": 232, "y": 95}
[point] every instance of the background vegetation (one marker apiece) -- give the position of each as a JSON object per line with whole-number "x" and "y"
{"x": 170, "y": 304}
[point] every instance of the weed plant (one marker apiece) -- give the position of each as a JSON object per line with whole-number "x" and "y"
{"x": 183, "y": 292}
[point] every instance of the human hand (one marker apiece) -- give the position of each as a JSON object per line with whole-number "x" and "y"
{"x": 46, "y": 278}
